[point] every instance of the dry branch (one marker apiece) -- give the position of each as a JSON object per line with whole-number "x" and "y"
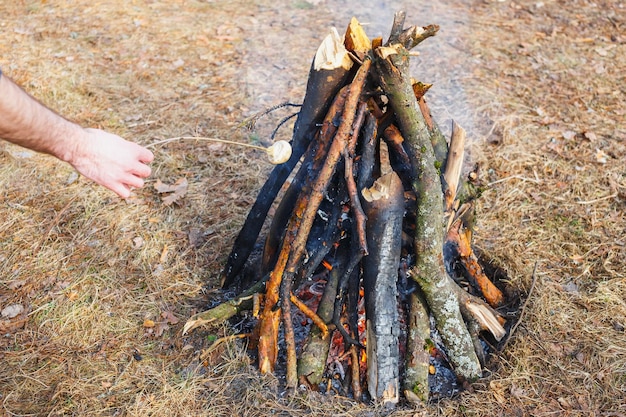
{"x": 392, "y": 68}
{"x": 315, "y": 350}
{"x": 454, "y": 164}
{"x": 298, "y": 230}
{"x": 341, "y": 213}
{"x": 330, "y": 68}
{"x": 417, "y": 355}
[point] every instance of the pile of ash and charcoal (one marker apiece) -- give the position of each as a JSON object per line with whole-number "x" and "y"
{"x": 367, "y": 284}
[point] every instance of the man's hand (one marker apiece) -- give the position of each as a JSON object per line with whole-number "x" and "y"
{"x": 111, "y": 161}
{"x": 103, "y": 157}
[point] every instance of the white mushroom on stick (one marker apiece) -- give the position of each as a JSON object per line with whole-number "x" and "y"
{"x": 278, "y": 153}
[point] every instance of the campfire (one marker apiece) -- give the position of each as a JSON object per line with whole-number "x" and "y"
{"x": 367, "y": 283}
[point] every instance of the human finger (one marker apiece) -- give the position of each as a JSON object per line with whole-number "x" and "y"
{"x": 133, "y": 181}
{"x": 142, "y": 170}
{"x": 119, "y": 189}
{"x": 145, "y": 155}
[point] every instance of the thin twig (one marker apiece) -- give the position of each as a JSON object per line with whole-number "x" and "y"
{"x": 317, "y": 320}
{"x": 221, "y": 340}
{"x": 348, "y": 154}
{"x": 523, "y": 309}
{"x": 356, "y": 372}
{"x": 250, "y": 122}
{"x": 597, "y": 200}
{"x": 515, "y": 177}
{"x": 281, "y": 123}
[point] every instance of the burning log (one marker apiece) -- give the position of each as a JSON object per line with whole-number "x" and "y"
{"x": 329, "y": 71}
{"x": 385, "y": 210}
{"x": 359, "y": 217}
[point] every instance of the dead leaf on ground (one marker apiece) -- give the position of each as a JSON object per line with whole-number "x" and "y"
{"x": 169, "y": 317}
{"x": 569, "y": 134}
{"x": 160, "y": 328}
{"x": 12, "y": 311}
{"x": 590, "y": 136}
{"x": 9, "y": 326}
{"x": 174, "y": 192}
{"x": 13, "y": 285}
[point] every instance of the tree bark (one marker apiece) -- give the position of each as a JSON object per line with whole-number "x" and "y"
{"x": 380, "y": 272}
{"x": 429, "y": 272}
{"x": 417, "y": 353}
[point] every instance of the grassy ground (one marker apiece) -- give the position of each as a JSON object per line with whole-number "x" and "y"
{"x": 107, "y": 284}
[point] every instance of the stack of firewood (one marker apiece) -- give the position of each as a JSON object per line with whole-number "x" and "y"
{"x": 378, "y": 218}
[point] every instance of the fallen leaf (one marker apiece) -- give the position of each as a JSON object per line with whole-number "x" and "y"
{"x": 12, "y": 310}
{"x": 147, "y": 323}
{"x": 517, "y": 392}
{"x": 214, "y": 147}
{"x": 570, "y": 287}
{"x": 602, "y": 51}
{"x": 169, "y": 317}
{"x": 590, "y": 136}
{"x": 9, "y": 326}
{"x": 16, "y": 284}
{"x": 178, "y": 190}
{"x": 196, "y": 237}
{"x": 138, "y": 242}
{"x": 569, "y": 134}
{"x": 580, "y": 357}
{"x": 160, "y": 328}
{"x": 71, "y": 179}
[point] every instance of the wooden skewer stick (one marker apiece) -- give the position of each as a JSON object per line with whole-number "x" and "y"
{"x": 277, "y": 153}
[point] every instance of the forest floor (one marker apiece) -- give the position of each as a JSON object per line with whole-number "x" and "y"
{"x": 106, "y": 284}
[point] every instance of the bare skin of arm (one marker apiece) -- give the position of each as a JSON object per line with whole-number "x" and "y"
{"x": 105, "y": 158}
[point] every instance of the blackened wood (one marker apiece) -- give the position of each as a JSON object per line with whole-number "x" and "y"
{"x": 322, "y": 86}
{"x": 369, "y": 163}
{"x": 311, "y": 165}
{"x": 296, "y": 236}
{"x": 380, "y": 273}
{"x": 312, "y": 360}
{"x": 398, "y": 158}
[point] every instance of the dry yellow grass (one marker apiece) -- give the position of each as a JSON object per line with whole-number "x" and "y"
{"x": 538, "y": 85}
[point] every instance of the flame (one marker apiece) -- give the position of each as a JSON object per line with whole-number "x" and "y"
{"x": 327, "y": 265}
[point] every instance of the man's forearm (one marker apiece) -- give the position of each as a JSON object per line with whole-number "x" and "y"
{"x": 26, "y": 122}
